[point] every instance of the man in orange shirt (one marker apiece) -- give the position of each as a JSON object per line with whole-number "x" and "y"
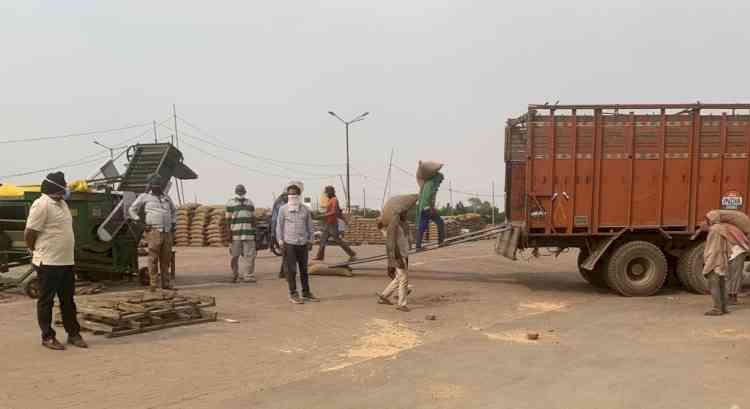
{"x": 331, "y": 227}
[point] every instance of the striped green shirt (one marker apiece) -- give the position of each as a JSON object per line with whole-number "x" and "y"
{"x": 241, "y": 218}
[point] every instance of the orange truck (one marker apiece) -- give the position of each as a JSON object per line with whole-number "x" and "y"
{"x": 628, "y": 185}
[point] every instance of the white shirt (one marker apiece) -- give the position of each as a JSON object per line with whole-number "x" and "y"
{"x": 161, "y": 213}
{"x": 55, "y": 245}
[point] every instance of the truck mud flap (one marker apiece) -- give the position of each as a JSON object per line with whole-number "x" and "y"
{"x": 598, "y": 251}
{"x": 506, "y": 244}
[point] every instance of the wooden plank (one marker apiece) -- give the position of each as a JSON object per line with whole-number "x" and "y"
{"x": 128, "y": 307}
{"x": 211, "y": 317}
{"x": 93, "y": 325}
{"x": 103, "y": 312}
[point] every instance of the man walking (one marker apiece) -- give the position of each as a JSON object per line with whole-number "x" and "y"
{"x": 49, "y": 235}
{"x": 426, "y": 211}
{"x": 294, "y": 233}
{"x": 331, "y": 227}
{"x": 159, "y": 224}
{"x": 240, "y": 226}
{"x": 397, "y": 248}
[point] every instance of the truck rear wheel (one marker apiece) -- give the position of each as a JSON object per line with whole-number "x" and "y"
{"x": 637, "y": 269}
{"x": 690, "y": 269}
{"x": 594, "y": 277}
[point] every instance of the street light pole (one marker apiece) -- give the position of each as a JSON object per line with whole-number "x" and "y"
{"x": 348, "y": 185}
{"x": 348, "y": 175}
{"x": 111, "y": 149}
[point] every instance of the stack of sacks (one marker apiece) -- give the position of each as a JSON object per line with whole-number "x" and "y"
{"x": 201, "y": 218}
{"x": 470, "y": 221}
{"x": 363, "y": 230}
{"x": 185, "y": 215}
{"x": 216, "y": 234}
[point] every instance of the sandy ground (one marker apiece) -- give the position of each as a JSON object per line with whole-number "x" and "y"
{"x": 595, "y": 349}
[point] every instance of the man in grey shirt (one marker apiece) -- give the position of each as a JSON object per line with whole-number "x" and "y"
{"x": 294, "y": 232}
{"x": 159, "y": 224}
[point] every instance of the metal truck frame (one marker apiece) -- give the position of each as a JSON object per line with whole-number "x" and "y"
{"x": 629, "y": 185}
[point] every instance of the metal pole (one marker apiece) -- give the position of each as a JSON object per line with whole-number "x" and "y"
{"x": 174, "y": 115}
{"x": 364, "y": 203}
{"x": 348, "y": 186}
{"x": 493, "y": 202}
{"x": 155, "y": 137}
{"x": 387, "y": 179}
{"x": 450, "y": 189}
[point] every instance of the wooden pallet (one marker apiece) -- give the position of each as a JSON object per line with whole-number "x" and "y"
{"x": 116, "y": 315}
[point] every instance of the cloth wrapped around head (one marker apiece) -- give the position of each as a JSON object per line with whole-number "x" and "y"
{"x": 54, "y": 183}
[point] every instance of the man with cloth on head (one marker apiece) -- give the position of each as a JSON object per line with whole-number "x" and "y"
{"x": 240, "y": 226}
{"x": 49, "y": 235}
{"x": 159, "y": 225}
{"x": 724, "y": 254}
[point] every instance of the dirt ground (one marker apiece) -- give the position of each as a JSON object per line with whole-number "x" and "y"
{"x": 595, "y": 349}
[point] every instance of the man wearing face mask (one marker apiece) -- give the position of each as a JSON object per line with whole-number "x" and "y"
{"x": 159, "y": 224}
{"x": 49, "y": 235}
{"x": 294, "y": 232}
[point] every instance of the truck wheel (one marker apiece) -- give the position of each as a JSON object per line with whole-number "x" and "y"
{"x": 595, "y": 277}
{"x": 690, "y": 269}
{"x": 637, "y": 269}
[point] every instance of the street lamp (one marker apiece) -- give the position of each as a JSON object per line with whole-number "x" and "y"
{"x": 111, "y": 149}
{"x": 347, "y": 123}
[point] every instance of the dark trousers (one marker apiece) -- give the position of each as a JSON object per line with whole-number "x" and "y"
{"x": 332, "y": 231}
{"x": 296, "y": 257}
{"x": 60, "y": 281}
{"x": 424, "y": 223}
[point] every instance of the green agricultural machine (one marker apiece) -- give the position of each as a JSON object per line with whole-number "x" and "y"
{"x": 106, "y": 240}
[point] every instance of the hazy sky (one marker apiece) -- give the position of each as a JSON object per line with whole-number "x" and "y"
{"x": 439, "y": 78}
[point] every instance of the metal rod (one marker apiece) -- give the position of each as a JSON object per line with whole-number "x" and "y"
{"x": 387, "y": 179}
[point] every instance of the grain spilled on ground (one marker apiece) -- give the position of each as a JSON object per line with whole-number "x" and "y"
{"x": 520, "y": 337}
{"x": 445, "y": 391}
{"x": 383, "y": 338}
{"x": 729, "y": 334}
{"x": 534, "y": 308}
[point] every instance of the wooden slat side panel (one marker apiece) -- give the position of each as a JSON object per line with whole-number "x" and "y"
{"x": 676, "y": 192}
{"x": 516, "y": 191}
{"x": 646, "y": 192}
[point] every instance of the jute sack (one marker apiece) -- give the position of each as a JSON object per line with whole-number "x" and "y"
{"x": 397, "y": 205}
{"x": 428, "y": 169}
{"x": 324, "y": 270}
{"x": 734, "y": 217}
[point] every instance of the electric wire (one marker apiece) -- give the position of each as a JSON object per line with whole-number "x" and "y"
{"x": 70, "y": 135}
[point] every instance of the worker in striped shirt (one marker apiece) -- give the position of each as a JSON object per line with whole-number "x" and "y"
{"x": 240, "y": 226}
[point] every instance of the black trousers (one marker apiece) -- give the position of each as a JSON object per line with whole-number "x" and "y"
{"x": 60, "y": 281}
{"x": 296, "y": 259}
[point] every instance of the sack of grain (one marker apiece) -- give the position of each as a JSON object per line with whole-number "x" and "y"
{"x": 397, "y": 205}
{"x": 324, "y": 270}
{"x": 734, "y": 217}
{"x": 428, "y": 169}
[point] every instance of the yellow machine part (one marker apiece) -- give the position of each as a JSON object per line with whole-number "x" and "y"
{"x": 8, "y": 190}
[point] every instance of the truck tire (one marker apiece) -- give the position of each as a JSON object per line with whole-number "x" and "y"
{"x": 690, "y": 269}
{"x": 594, "y": 277}
{"x": 637, "y": 269}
